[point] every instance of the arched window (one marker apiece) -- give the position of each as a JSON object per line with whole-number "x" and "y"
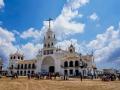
{"x": 24, "y": 73}
{"x": 25, "y": 67}
{"x": 14, "y": 57}
{"x": 76, "y": 63}
{"x": 71, "y": 63}
{"x": 44, "y": 45}
{"x": 65, "y": 64}
{"x": 32, "y": 72}
{"x": 18, "y": 66}
{"x": 28, "y": 72}
{"x": 52, "y": 44}
{"x": 48, "y": 45}
{"x": 21, "y": 66}
{"x": 11, "y": 57}
{"x": 65, "y": 72}
{"x": 22, "y": 58}
{"x": 12, "y": 66}
{"x": 48, "y": 37}
{"x": 71, "y": 71}
{"x": 71, "y": 51}
{"x": 21, "y": 72}
{"x": 18, "y": 57}
{"x": 33, "y": 66}
{"x": 51, "y": 51}
{"x": 45, "y": 52}
{"x": 18, "y": 72}
{"x": 29, "y": 66}
{"x": 77, "y": 72}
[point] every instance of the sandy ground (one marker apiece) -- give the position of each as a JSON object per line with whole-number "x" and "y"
{"x": 72, "y": 84}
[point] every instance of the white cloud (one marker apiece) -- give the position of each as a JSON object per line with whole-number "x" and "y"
{"x": 64, "y": 25}
{"x": 16, "y": 32}
{"x": 6, "y": 46}
{"x": 106, "y": 44}
{"x": 94, "y": 16}
{"x": 80, "y": 15}
{"x": 32, "y": 49}
{"x": 31, "y": 32}
{"x": 6, "y": 36}
{"x": 1, "y": 3}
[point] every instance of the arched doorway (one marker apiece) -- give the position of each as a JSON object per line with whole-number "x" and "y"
{"x": 51, "y": 69}
{"x": 48, "y": 65}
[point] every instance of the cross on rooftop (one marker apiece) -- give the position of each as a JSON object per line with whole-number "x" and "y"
{"x": 49, "y": 20}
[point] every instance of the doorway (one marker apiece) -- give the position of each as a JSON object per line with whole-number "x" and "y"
{"x": 51, "y": 69}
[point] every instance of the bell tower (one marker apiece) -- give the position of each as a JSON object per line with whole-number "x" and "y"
{"x": 49, "y": 40}
{"x": 71, "y": 49}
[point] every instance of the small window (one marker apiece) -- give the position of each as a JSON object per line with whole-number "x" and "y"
{"x": 71, "y": 71}
{"x": 49, "y": 37}
{"x": 52, "y": 44}
{"x": 28, "y": 72}
{"x": 32, "y": 72}
{"x": 10, "y": 57}
{"x": 48, "y": 45}
{"x": 24, "y": 73}
{"x": 44, "y": 52}
{"x": 65, "y": 64}
{"x": 21, "y": 66}
{"x": 18, "y": 57}
{"x": 18, "y": 72}
{"x": 21, "y": 73}
{"x": 12, "y": 66}
{"x": 44, "y": 45}
{"x": 29, "y": 66}
{"x": 51, "y": 51}
{"x": 21, "y": 58}
{"x": 33, "y": 66}
{"x": 65, "y": 72}
{"x": 14, "y": 57}
{"x": 25, "y": 67}
{"x": 18, "y": 66}
{"x": 71, "y": 50}
{"x": 76, "y": 63}
{"x": 71, "y": 63}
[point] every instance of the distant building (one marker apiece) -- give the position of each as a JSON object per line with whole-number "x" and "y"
{"x": 52, "y": 59}
{"x": 109, "y": 71}
{"x": 18, "y": 64}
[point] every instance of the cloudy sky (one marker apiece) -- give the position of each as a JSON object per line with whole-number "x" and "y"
{"x": 91, "y": 25}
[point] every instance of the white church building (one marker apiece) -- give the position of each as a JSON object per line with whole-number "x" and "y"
{"x": 53, "y": 60}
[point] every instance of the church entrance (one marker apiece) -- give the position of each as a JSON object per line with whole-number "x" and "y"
{"x": 48, "y": 65}
{"x": 51, "y": 69}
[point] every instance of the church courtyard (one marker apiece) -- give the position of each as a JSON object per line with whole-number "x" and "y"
{"x": 73, "y": 84}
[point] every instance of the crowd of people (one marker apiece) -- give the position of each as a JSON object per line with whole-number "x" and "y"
{"x": 43, "y": 75}
{"x": 110, "y": 77}
{"x": 103, "y": 77}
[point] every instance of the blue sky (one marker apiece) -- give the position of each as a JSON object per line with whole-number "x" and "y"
{"x": 91, "y": 24}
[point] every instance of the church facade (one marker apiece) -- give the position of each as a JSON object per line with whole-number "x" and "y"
{"x": 51, "y": 59}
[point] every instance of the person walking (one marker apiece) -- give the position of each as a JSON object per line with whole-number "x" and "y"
{"x": 81, "y": 76}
